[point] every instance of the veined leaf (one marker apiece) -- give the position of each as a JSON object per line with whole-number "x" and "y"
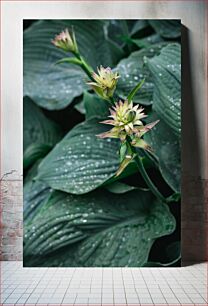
{"x": 95, "y": 106}
{"x": 33, "y": 153}
{"x": 166, "y": 71}
{"x": 99, "y": 229}
{"x": 147, "y": 41}
{"x": 166, "y": 146}
{"x": 167, "y": 28}
{"x": 81, "y": 162}
{"x": 119, "y": 188}
{"x": 40, "y": 133}
{"x": 117, "y": 29}
{"x": 135, "y": 90}
{"x": 69, "y": 60}
{"x": 80, "y": 107}
{"x": 116, "y": 51}
{"x": 35, "y": 193}
{"x": 55, "y": 86}
{"x": 132, "y": 71}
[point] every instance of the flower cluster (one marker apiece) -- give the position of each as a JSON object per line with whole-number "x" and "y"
{"x": 126, "y": 120}
{"x": 66, "y": 41}
{"x": 105, "y": 82}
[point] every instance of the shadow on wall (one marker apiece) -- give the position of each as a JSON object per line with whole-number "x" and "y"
{"x": 194, "y": 202}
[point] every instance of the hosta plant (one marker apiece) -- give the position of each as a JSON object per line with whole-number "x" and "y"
{"x": 106, "y": 193}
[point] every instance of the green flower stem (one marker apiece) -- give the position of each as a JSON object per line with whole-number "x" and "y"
{"x": 144, "y": 174}
{"x": 147, "y": 179}
{"x": 85, "y": 66}
{"x": 88, "y": 70}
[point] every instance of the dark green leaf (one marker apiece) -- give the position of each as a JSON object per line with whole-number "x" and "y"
{"x": 81, "y": 162}
{"x": 135, "y": 90}
{"x": 123, "y": 150}
{"x": 138, "y": 26}
{"x": 147, "y": 41}
{"x": 166, "y": 146}
{"x": 95, "y": 106}
{"x": 80, "y": 107}
{"x": 116, "y": 51}
{"x": 129, "y": 170}
{"x": 175, "y": 197}
{"x": 160, "y": 264}
{"x": 35, "y": 193}
{"x": 167, "y": 28}
{"x": 118, "y": 29}
{"x": 166, "y": 72}
{"x": 33, "y": 153}
{"x": 69, "y": 60}
{"x": 39, "y": 133}
{"x": 118, "y": 187}
{"x": 99, "y": 229}
{"x": 132, "y": 71}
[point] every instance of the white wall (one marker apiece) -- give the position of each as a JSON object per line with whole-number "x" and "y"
{"x": 192, "y": 15}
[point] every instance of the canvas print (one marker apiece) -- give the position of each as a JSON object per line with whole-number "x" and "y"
{"x": 102, "y": 143}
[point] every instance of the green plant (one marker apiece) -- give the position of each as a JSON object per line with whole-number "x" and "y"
{"x": 92, "y": 200}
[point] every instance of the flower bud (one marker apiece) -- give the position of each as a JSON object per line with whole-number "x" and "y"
{"x": 105, "y": 82}
{"x": 131, "y": 116}
{"x": 66, "y": 41}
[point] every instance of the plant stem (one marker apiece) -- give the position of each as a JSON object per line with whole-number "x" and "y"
{"x": 86, "y": 67}
{"x": 144, "y": 174}
{"x": 88, "y": 70}
{"x": 147, "y": 179}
